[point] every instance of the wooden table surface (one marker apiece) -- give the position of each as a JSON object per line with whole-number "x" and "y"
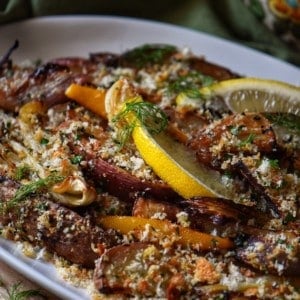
{"x": 9, "y": 277}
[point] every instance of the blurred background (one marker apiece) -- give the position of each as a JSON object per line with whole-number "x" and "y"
{"x": 270, "y": 26}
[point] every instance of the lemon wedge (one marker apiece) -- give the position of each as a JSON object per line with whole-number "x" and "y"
{"x": 170, "y": 160}
{"x": 178, "y": 167}
{"x": 256, "y": 95}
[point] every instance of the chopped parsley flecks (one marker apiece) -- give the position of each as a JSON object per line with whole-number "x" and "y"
{"x": 190, "y": 84}
{"x": 44, "y": 141}
{"x": 76, "y": 160}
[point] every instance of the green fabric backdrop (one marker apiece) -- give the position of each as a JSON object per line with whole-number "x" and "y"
{"x": 229, "y": 19}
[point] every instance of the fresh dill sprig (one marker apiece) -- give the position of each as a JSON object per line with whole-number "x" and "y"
{"x": 150, "y": 116}
{"x": 136, "y": 113}
{"x": 124, "y": 133}
{"x": 28, "y": 189}
{"x": 15, "y": 293}
{"x": 286, "y": 120}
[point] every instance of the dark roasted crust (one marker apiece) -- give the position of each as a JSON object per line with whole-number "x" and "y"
{"x": 278, "y": 256}
{"x": 49, "y": 81}
{"x": 59, "y": 229}
{"x": 117, "y": 181}
{"x": 113, "y": 263}
{"x": 211, "y": 69}
{"x": 122, "y": 184}
{"x": 46, "y": 83}
{"x": 251, "y": 123}
{"x": 196, "y": 63}
{"x": 221, "y": 216}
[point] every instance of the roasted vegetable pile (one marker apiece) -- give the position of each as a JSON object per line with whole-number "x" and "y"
{"x": 75, "y": 181}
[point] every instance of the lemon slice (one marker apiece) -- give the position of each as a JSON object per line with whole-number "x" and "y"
{"x": 256, "y": 95}
{"x": 177, "y": 166}
{"x": 170, "y": 160}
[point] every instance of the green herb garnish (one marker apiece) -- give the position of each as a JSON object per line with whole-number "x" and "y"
{"x": 288, "y": 121}
{"x": 22, "y": 172}
{"x": 76, "y": 160}
{"x": 190, "y": 84}
{"x": 124, "y": 133}
{"x": 31, "y": 188}
{"x": 228, "y": 174}
{"x": 42, "y": 206}
{"x": 288, "y": 218}
{"x": 146, "y": 114}
{"x": 15, "y": 293}
{"x": 44, "y": 141}
{"x": 274, "y": 163}
{"x": 249, "y": 140}
{"x": 148, "y": 54}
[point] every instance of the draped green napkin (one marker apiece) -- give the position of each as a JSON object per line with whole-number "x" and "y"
{"x": 230, "y": 19}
